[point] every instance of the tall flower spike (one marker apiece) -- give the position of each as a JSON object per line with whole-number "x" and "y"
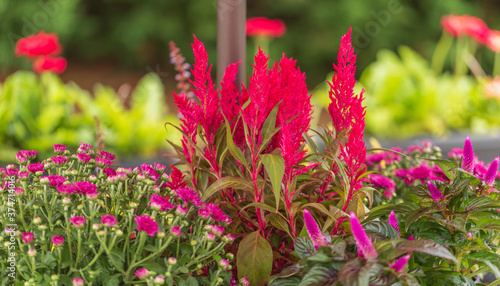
{"x": 314, "y": 233}
{"x": 393, "y": 221}
{"x": 468, "y": 157}
{"x": 489, "y": 178}
{"x": 436, "y": 194}
{"x": 400, "y": 264}
{"x": 363, "y": 242}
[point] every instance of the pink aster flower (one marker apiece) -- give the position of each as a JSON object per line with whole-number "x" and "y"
{"x": 56, "y": 180}
{"x": 189, "y": 195}
{"x": 180, "y": 210}
{"x": 146, "y": 224}
{"x": 314, "y": 232}
{"x": 109, "y": 172}
{"x": 59, "y": 148}
{"x": 87, "y": 188}
{"x": 363, "y": 242}
{"x": 489, "y": 177}
{"x": 160, "y": 203}
{"x": 78, "y": 281}
{"x": 159, "y": 167}
{"x": 421, "y": 172}
{"x": 176, "y": 231}
{"x": 214, "y": 212}
{"x": 400, "y": 264}
{"x": 84, "y": 158}
{"x": 107, "y": 155}
{"x": 102, "y": 162}
{"x": 59, "y": 160}
{"x": 224, "y": 263}
{"x": 35, "y": 167}
{"x": 84, "y": 147}
{"x": 436, "y": 194}
{"x": 25, "y": 155}
{"x": 380, "y": 181}
{"x": 12, "y": 171}
{"x": 67, "y": 189}
{"x": 415, "y": 149}
{"x": 77, "y": 221}
{"x": 393, "y": 221}
{"x": 27, "y": 237}
{"x": 57, "y": 240}
{"x": 18, "y": 190}
{"x": 24, "y": 175}
{"x": 148, "y": 170}
{"x": 468, "y": 157}
{"x": 456, "y": 153}
{"x": 108, "y": 220}
{"x": 406, "y": 175}
{"x": 141, "y": 273}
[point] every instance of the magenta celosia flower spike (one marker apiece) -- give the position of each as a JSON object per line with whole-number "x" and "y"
{"x": 400, "y": 264}
{"x": 363, "y": 242}
{"x": 436, "y": 194}
{"x": 314, "y": 232}
{"x": 468, "y": 157}
{"x": 393, "y": 221}
{"x": 489, "y": 178}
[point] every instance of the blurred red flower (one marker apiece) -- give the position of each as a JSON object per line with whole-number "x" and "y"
{"x": 493, "y": 41}
{"x": 459, "y": 25}
{"x": 261, "y": 26}
{"x": 45, "y": 64}
{"x": 41, "y": 44}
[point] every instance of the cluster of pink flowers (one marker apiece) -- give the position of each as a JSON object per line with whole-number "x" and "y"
{"x": 465, "y": 25}
{"x": 43, "y": 49}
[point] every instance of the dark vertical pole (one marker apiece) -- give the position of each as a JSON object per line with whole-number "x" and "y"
{"x": 231, "y": 37}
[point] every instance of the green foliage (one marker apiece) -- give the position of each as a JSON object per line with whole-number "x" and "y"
{"x": 254, "y": 258}
{"x": 39, "y": 112}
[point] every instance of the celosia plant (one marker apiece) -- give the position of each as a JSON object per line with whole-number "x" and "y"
{"x": 74, "y": 220}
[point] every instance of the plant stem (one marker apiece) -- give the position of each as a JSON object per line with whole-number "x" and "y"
{"x": 440, "y": 52}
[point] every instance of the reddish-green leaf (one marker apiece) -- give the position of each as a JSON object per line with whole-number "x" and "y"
{"x": 275, "y": 168}
{"x": 227, "y": 182}
{"x": 254, "y": 259}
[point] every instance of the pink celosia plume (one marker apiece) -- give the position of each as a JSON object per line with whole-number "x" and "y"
{"x": 468, "y": 157}
{"x": 436, "y": 194}
{"x": 314, "y": 232}
{"x": 363, "y": 242}
{"x": 489, "y": 177}
{"x": 400, "y": 264}
{"x": 393, "y": 221}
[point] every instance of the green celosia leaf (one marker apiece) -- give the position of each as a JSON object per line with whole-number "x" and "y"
{"x": 288, "y": 271}
{"x": 227, "y": 182}
{"x": 334, "y": 214}
{"x": 381, "y": 229}
{"x": 348, "y": 273}
{"x": 446, "y": 166}
{"x": 319, "y": 275}
{"x": 278, "y": 222}
{"x": 275, "y": 168}
{"x": 254, "y": 258}
{"x": 233, "y": 149}
{"x": 477, "y": 204}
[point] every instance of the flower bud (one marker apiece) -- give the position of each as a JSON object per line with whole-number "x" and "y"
{"x": 54, "y": 277}
{"x": 101, "y": 233}
{"x": 32, "y": 252}
{"x": 230, "y": 256}
{"x": 210, "y": 236}
{"x": 35, "y": 207}
{"x": 159, "y": 280}
{"x": 42, "y": 227}
{"x": 44, "y": 181}
{"x": 66, "y": 201}
{"x": 96, "y": 226}
{"x": 181, "y": 211}
{"x": 37, "y": 220}
{"x": 160, "y": 234}
{"x": 80, "y": 207}
{"x": 92, "y": 178}
{"x": 224, "y": 264}
{"x": 220, "y": 280}
{"x": 132, "y": 205}
{"x": 168, "y": 274}
{"x": 193, "y": 242}
{"x": 119, "y": 232}
{"x": 172, "y": 260}
{"x": 39, "y": 192}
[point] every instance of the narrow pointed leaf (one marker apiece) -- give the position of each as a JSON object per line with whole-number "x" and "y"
{"x": 227, "y": 182}
{"x": 275, "y": 168}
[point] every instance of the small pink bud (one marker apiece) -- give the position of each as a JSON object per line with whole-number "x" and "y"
{"x": 32, "y": 252}
{"x": 172, "y": 261}
{"x": 78, "y": 281}
{"x": 27, "y": 237}
{"x": 141, "y": 273}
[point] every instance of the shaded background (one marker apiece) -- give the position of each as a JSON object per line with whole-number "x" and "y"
{"x": 121, "y": 36}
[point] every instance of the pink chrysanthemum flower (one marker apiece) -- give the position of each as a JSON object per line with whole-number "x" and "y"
{"x": 18, "y": 190}
{"x": 314, "y": 232}
{"x": 160, "y": 203}
{"x": 180, "y": 210}
{"x": 84, "y": 147}
{"x": 36, "y": 167}
{"x": 57, "y": 240}
{"x": 141, "y": 273}
{"x": 400, "y": 264}
{"x": 147, "y": 224}
{"x": 84, "y": 158}
{"x": 189, "y": 195}
{"x": 108, "y": 220}
{"x": 468, "y": 157}
{"x": 11, "y": 171}
{"x": 67, "y": 189}
{"x": 489, "y": 177}
{"x": 214, "y": 212}
{"x": 159, "y": 167}
{"x": 109, "y": 172}
{"x": 56, "y": 180}
{"x": 77, "y": 221}
{"x": 436, "y": 194}
{"x": 87, "y": 188}
{"x": 25, "y": 155}
{"x": 103, "y": 162}
{"x": 176, "y": 231}
{"x": 107, "y": 155}
{"x": 59, "y": 160}
{"x": 148, "y": 170}
{"x": 59, "y": 148}
{"x": 380, "y": 181}
{"x": 78, "y": 281}
{"x": 24, "y": 175}
{"x": 393, "y": 221}
{"x": 363, "y": 242}
{"x": 27, "y": 237}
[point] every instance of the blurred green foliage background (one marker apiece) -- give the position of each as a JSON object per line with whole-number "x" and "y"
{"x": 135, "y": 34}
